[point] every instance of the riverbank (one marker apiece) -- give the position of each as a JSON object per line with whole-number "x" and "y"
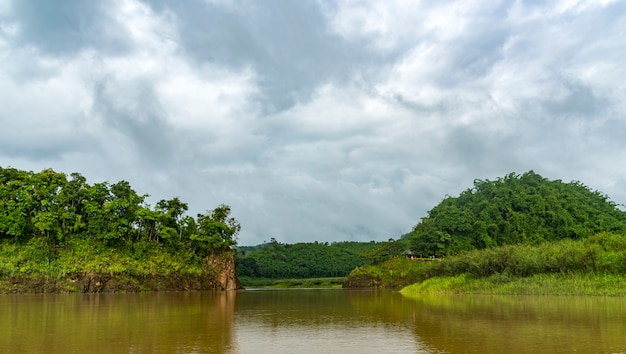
{"x": 576, "y": 284}
{"x": 395, "y": 273}
{"x": 107, "y": 283}
{"x": 34, "y": 267}
{"x": 591, "y": 266}
{"x": 332, "y": 282}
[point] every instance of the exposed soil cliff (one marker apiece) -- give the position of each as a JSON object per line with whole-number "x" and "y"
{"x": 223, "y": 264}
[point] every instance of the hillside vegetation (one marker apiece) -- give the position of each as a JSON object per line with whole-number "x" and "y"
{"x": 54, "y": 227}
{"x": 498, "y": 233}
{"x": 516, "y": 209}
{"x": 302, "y": 260}
{"x": 591, "y": 266}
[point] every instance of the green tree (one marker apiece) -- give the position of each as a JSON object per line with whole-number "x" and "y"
{"x": 216, "y": 231}
{"x": 172, "y": 210}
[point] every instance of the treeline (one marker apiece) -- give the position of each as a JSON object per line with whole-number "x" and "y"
{"x": 516, "y": 209}
{"x": 303, "y": 260}
{"x": 48, "y": 209}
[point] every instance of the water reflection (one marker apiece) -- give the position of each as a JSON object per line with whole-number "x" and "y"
{"x": 321, "y": 321}
{"x": 117, "y": 323}
{"x": 521, "y": 324}
{"x": 309, "y": 321}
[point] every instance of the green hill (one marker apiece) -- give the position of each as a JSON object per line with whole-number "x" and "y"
{"x": 302, "y": 260}
{"x": 527, "y": 209}
{"x": 517, "y": 234}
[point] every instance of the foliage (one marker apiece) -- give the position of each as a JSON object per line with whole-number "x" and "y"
{"x": 387, "y": 250}
{"x": 393, "y": 273}
{"x": 302, "y": 260}
{"x": 590, "y": 266}
{"x": 578, "y": 284}
{"x": 51, "y": 225}
{"x": 516, "y": 209}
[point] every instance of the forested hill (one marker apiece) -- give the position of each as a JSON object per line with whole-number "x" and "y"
{"x": 515, "y": 209}
{"x": 302, "y": 260}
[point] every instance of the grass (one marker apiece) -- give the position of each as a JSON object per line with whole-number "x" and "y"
{"x": 593, "y": 266}
{"x": 540, "y": 284}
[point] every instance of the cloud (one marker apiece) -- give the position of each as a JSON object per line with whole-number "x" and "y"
{"x": 314, "y": 120}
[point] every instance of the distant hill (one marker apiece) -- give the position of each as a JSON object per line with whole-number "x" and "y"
{"x": 516, "y": 209}
{"x": 302, "y": 260}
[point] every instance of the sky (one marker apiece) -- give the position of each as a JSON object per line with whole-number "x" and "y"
{"x": 315, "y": 120}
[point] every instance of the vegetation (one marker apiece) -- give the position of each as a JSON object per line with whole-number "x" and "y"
{"x": 52, "y": 226}
{"x": 393, "y": 273}
{"x": 516, "y": 209}
{"x": 511, "y": 236}
{"x": 593, "y": 266}
{"x": 275, "y": 260}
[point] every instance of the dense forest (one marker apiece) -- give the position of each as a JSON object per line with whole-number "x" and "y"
{"x": 303, "y": 260}
{"x": 516, "y": 209}
{"x": 54, "y": 225}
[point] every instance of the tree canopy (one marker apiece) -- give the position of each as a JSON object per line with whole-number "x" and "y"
{"x": 527, "y": 209}
{"x": 58, "y": 209}
{"x": 302, "y": 260}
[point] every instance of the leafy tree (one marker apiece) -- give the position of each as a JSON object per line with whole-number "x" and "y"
{"x": 172, "y": 210}
{"x": 47, "y": 206}
{"x": 216, "y": 230}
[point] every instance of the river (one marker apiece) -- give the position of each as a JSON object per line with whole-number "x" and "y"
{"x": 309, "y": 321}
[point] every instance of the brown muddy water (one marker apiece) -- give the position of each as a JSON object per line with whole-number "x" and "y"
{"x": 309, "y": 321}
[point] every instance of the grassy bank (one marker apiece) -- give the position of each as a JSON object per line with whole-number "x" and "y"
{"x": 394, "y": 273}
{"x": 334, "y": 282}
{"x": 593, "y": 266}
{"x": 539, "y": 284}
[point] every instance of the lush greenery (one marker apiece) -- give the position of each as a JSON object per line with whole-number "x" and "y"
{"x": 52, "y": 225}
{"x": 508, "y": 236}
{"x": 277, "y": 260}
{"x": 603, "y": 253}
{"x": 516, "y": 209}
{"x": 540, "y": 284}
{"x": 593, "y": 266}
{"x": 396, "y": 272}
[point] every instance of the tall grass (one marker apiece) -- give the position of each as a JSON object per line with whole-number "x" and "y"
{"x": 603, "y": 253}
{"x": 593, "y": 266}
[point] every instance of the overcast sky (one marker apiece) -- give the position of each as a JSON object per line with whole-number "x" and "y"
{"x": 315, "y": 120}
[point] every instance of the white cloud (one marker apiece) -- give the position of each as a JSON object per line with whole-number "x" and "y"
{"x": 346, "y": 124}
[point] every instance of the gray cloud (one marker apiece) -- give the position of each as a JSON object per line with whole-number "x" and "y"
{"x": 67, "y": 26}
{"x": 137, "y": 115}
{"x": 286, "y": 42}
{"x": 314, "y": 120}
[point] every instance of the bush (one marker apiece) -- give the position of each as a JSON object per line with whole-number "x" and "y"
{"x": 603, "y": 253}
